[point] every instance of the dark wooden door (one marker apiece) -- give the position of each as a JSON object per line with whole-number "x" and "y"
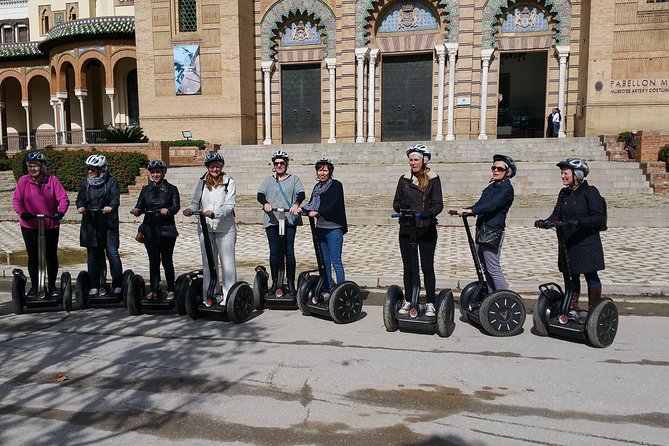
{"x": 301, "y": 104}
{"x": 406, "y": 98}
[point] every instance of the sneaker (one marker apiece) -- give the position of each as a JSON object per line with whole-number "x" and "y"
{"x": 93, "y": 292}
{"x": 118, "y": 291}
{"x": 170, "y": 295}
{"x": 326, "y": 296}
{"x": 32, "y": 294}
{"x": 429, "y": 310}
{"x": 406, "y": 306}
{"x": 54, "y": 293}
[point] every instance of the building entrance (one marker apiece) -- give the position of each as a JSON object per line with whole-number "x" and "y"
{"x": 406, "y": 98}
{"x": 522, "y": 111}
{"x": 301, "y": 104}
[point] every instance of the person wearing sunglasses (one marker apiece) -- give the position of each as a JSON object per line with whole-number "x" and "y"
{"x": 281, "y": 190}
{"x": 491, "y": 210}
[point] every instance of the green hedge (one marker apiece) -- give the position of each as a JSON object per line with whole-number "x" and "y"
{"x": 622, "y": 136}
{"x": 199, "y": 143}
{"x": 5, "y": 163}
{"x": 70, "y": 167}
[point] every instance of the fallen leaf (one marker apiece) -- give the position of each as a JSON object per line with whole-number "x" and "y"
{"x": 62, "y": 377}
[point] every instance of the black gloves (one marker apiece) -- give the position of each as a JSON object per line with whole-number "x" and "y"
{"x": 58, "y": 215}
{"x": 26, "y": 216}
{"x": 426, "y": 214}
{"x": 573, "y": 223}
{"x": 542, "y": 224}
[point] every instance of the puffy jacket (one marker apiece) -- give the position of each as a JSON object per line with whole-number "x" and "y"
{"x": 429, "y": 203}
{"x": 154, "y": 197}
{"x": 46, "y": 197}
{"x": 494, "y": 204}
{"x": 583, "y": 243}
{"x": 98, "y": 197}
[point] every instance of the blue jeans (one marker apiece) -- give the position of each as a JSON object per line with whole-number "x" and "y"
{"x": 114, "y": 266}
{"x": 331, "y": 242}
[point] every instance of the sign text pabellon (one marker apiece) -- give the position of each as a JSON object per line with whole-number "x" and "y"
{"x": 628, "y": 86}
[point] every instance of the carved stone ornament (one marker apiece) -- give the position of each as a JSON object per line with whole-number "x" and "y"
{"x": 408, "y": 18}
{"x": 525, "y": 18}
{"x": 300, "y": 32}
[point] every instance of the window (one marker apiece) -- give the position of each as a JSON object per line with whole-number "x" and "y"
{"x": 187, "y": 16}
{"x": 45, "y": 19}
{"x": 72, "y": 11}
{"x": 22, "y": 34}
{"x": 7, "y": 34}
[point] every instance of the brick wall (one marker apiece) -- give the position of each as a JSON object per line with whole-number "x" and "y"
{"x": 649, "y": 143}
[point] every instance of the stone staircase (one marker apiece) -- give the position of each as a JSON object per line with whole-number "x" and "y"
{"x": 370, "y": 171}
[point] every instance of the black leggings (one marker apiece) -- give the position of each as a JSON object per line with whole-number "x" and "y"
{"x": 30, "y": 237}
{"x": 427, "y": 244}
{"x": 163, "y": 250}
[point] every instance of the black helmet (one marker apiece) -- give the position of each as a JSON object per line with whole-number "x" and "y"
{"x": 36, "y": 157}
{"x": 327, "y": 161}
{"x": 156, "y": 164}
{"x": 212, "y": 157}
{"x": 510, "y": 163}
{"x": 420, "y": 149}
{"x": 575, "y": 164}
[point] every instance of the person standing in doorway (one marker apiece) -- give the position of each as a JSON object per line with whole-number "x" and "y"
{"x": 557, "y": 118}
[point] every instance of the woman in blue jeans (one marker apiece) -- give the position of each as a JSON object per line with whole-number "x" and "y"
{"x": 327, "y": 206}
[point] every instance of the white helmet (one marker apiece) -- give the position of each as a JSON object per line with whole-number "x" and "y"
{"x": 421, "y": 150}
{"x": 98, "y": 161}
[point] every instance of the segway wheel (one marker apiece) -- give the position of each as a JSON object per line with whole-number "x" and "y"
{"x": 546, "y": 307}
{"x": 260, "y": 288}
{"x": 240, "y": 303}
{"x": 602, "y": 325}
{"x": 180, "y": 293}
{"x": 136, "y": 292}
{"x": 345, "y": 303}
{"x": 81, "y": 288}
{"x": 193, "y": 298}
{"x": 391, "y": 304}
{"x": 445, "y": 314}
{"x": 18, "y": 293}
{"x": 470, "y": 297}
{"x": 66, "y": 291}
{"x": 502, "y": 313}
{"x": 305, "y": 292}
{"x": 126, "y": 278}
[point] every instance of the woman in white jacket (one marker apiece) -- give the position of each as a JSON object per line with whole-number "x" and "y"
{"x": 215, "y": 196}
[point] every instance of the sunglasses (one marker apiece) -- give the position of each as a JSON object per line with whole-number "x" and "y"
{"x": 279, "y": 163}
{"x": 497, "y": 168}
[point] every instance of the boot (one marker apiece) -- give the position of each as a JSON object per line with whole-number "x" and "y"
{"x": 594, "y": 294}
{"x": 574, "y": 301}
{"x": 290, "y": 276}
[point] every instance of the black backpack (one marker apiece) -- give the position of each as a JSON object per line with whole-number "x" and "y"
{"x": 604, "y": 226}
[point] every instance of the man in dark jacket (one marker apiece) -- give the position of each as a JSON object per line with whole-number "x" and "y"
{"x": 98, "y": 201}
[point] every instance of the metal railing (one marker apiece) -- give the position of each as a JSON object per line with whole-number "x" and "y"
{"x": 40, "y": 140}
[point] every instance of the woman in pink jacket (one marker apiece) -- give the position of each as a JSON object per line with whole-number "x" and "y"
{"x": 40, "y": 193}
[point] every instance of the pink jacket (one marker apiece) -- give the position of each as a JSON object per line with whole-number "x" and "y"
{"x": 47, "y": 197}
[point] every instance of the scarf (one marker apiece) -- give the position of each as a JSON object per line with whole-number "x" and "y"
{"x": 97, "y": 181}
{"x": 319, "y": 190}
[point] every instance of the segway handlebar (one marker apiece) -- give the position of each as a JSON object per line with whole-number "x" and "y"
{"x": 545, "y": 224}
{"x": 454, "y": 212}
{"x": 406, "y": 213}
{"x": 53, "y": 217}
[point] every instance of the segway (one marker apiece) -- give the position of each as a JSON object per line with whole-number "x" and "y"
{"x": 501, "y": 313}
{"x": 551, "y": 315}
{"x": 344, "y": 304}
{"x": 415, "y": 320}
{"x": 282, "y": 297}
{"x": 237, "y": 306}
{"x": 42, "y": 298}
{"x": 134, "y": 287}
{"x": 82, "y": 286}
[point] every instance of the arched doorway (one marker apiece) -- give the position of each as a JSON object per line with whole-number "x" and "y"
{"x": 133, "y": 98}
{"x": 301, "y": 103}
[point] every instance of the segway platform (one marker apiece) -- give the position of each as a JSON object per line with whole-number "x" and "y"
{"x": 237, "y": 308}
{"x": 104, "y": 297}
{"x": 281, "y": 299}
{"x": 135, "y": 295}
{"x": 415, "y": 320}
{"x": 21, "y": 301}
{"x": 343, "y": 306}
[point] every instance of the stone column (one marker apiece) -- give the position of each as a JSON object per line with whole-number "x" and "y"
{"x": 54, "y": 105}
{"x": 267, "y": 68}
{"x": 452, "y": 53}
{"x": 563, "y": 53}
{"x": 61, "y": 102}
{"x": 441, "y": 57}
{"x": 370, "y": 94}
{"x": 2, "y": 135}
{"x": 486, "y": 54}
{"x": 360, "y": 56}
{"x": 111, "y": 92}
{"x": 81, "y": 94}
{"x": 331, "y": 63}
{"x": 26, "y": 107}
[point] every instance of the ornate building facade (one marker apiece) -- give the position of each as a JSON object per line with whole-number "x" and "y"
{"x": 302, "y": 71}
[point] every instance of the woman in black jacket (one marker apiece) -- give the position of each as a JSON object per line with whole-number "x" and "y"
{"x": 161, "y": 200}
{"x": 582, "y": 208}
{"x": 491, "y": 210}
{"x": 420, "y": 191}
{"x": 327, "y": 205}
{"x": 98, "y": 200}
